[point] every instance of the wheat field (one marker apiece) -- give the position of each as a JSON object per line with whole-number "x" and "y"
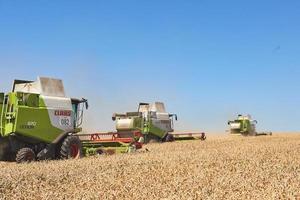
{"x": 222, "y": 167}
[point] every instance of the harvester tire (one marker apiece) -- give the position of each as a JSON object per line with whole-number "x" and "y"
{"x": 152, "y": 141}
{"x": 71, "y": 148}
{"x": 25, "y": 155}
{"x": 169, "y": 138}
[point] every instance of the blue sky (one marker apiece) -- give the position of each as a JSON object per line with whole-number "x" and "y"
{"x": 207, "y": 60}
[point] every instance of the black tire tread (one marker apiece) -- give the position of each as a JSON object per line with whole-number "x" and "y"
{"x": 21, "y": 155}
{"x": 64, "y": 151}
{"x": 169, "y": 138}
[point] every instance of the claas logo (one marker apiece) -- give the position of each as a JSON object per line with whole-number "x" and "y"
{"x": 62, "y": 113}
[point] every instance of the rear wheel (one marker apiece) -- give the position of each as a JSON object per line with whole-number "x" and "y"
{"x": 203, "y": 136}
{"x": 149, "y": 138}
{"x": 25, "y": 155}
{"x": 169, "y": 138}
{"x": 152, "y": 141}
{"x": 71, "y": 148}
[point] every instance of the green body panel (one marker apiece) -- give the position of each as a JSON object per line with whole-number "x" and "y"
{"x": 41, "y": 130}
{"x": 146, "y": 127}
{"x": 27, "y": 115}
{"x": 245, "y": 126}
{"x": 1, "y": 110}
{"x": 1, "y": 104}
{"x": 151, "y": 129}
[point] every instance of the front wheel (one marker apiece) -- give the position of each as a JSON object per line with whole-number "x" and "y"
{"x": 169, "y": 138}
{"x": 25, "y": 155}
{"x": 71, "y": 148}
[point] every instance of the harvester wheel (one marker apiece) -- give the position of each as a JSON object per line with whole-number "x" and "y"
{"x": 71, "y": 148}
{"x": 169, "y": 138}
{"x": 152, "y": 141}
{"x": 25, "y": 155}
{"x": 203, "y": 136}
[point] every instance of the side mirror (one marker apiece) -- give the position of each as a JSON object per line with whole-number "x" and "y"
{"x": 255, "y": 121}
{"x": 114, "y": 117}
{"x": 173, "y": 115}
{"x": 85, "y": 101}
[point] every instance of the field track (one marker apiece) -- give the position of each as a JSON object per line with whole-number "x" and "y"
{"x": 221, "y": 167}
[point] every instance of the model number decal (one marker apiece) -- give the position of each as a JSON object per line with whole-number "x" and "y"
{"x": 65, "y": 121}
{"x": 29, "y": 125}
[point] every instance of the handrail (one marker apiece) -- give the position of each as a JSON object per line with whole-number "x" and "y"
{"x": 2, "y": 113}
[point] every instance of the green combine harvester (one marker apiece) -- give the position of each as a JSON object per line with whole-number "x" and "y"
{"x": 246, "y": 126}
{"x": 153, "y": 123}
{"x": 38, "y": 122}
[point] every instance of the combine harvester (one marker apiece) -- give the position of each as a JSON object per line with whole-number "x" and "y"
{"x": 151, "y": 123}
{"x": 244, "y": 125}
{"x": 38, "y": 122}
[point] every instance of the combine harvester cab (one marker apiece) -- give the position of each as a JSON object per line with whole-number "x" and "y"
{"x": 151, "y": 123}
{"x": 246, "y": 126}
{"x": 39, "y": 122}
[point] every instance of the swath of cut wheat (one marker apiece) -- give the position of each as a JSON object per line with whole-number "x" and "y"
{"x": 219, "y": 168}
